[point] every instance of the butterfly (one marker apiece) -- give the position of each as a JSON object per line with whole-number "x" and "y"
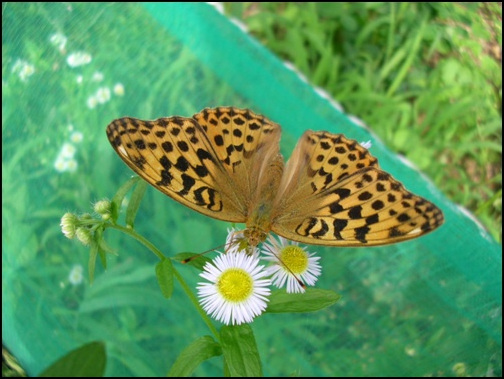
{"x": 225, "y": 163}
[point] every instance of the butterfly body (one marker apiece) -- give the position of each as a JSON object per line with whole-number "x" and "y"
{"x": 225, "y": 163}
{"x": 260, "y": 215}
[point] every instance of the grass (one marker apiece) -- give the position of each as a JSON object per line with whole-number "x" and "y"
{"x": 426, "y": 78}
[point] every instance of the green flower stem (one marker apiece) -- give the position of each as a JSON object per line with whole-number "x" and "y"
{"x": 160, "y": 255}
{"x": 132, "y": 233}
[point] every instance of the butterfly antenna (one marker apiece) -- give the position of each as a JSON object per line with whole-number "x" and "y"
{"x": 300, "y": 282}
{"x": 226, "y": 246}
{"x": 200, "y": 254}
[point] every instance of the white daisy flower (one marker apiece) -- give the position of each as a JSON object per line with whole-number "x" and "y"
{"x": 237, "y": 291}
{"x": 72, "y": 165}
{"x": 23, "y": 69}
{"x": 59, "y": 40}
{"x": 301, "y": 264}
{"x": 91, "y": 102}
{"x": 60, "y": 164}
{"x": 67, "y": 151}
{"x": 103, "y": 95}
{"x": 78, "y": 58}
{"x": 236, "y": 243}
{"x": 97, "y": 76}
{"x": 76, "y": 137}
{"x": 119, "y": 89}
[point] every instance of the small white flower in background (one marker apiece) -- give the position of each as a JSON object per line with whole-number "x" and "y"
{"x": 79, "y": 79}
{"x": 91, "y": 102}
{"x": 78, "y": 58}
{"x": 60, "y": 164}
{"x": 301, "y": 264}
{"x": 102, "y": 95}
{"x": 67, "y": 150}
{"x": 366, "y": 144}
{"x": 75, "y": 277}
{"x": 72, "y": 165}
{"x": 23, "y": 69}
{"x": 76, "y": 137}
{"x": 65, "y": 160}
{"x": 237, "y": 290}
{"x": 97, "y": 76}
{"x": 118, "y": 89}
{"x": 58, "y": 40}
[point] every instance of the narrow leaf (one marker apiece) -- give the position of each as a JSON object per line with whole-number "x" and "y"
{"x": 134, "y": 203}
{"x": 164, "y": 275}
{"x": 86, "y": 361}
{"x": 103, "y": 247}
{"x": 193, "y": 355}
{"x": 93, "y": 252}
{"x": 240, "y": 351}
{"x": 119, "y": 196}
{"x": 312, "y": 300}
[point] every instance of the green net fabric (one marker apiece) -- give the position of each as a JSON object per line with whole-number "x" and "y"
{"x": 427, "y": 307}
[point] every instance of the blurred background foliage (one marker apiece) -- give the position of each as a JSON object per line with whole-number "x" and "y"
{"x": 425, "y": 77}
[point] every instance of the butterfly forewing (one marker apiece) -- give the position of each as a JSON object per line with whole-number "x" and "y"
{"x": 174, "y": 155}
{"x": 244, "y": 142}
{"x": 210, "y": 163}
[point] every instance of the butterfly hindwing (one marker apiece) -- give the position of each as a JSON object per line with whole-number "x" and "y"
{"x": 349, "y": 202}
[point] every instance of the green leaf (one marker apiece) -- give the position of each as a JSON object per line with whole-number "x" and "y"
{"x": 199, "y": 261}
{"x": 86, "y": 361}
{"x": 164, "y": 274}
{"x": 119, "y": 196}
{"x": 240, "y": 351}
{"x": 134, "y": 203}
{"x": 106, "y": 248}
{"x": 98, "y": 243}
{"x": 310, "y": 301}
{"x": 103, "y": 247}
{"x": 193, "y": 355}
{"x": 93, "y": 252}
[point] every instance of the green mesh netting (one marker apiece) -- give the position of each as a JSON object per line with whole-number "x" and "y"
{"x": 427, "y": 307}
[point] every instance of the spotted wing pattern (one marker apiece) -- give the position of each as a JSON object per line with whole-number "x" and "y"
{"x": 245, "y": 143}
{"x": 333, "y": 193}
{"x": 206, "y": 162}
{"x": 224, "y": 162}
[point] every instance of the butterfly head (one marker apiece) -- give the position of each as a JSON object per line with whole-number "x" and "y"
{"x": 254, "y": 236}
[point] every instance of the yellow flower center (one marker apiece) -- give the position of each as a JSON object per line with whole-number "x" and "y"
{"x": 295, "y": 259}
{"x": 235, "y": 285}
